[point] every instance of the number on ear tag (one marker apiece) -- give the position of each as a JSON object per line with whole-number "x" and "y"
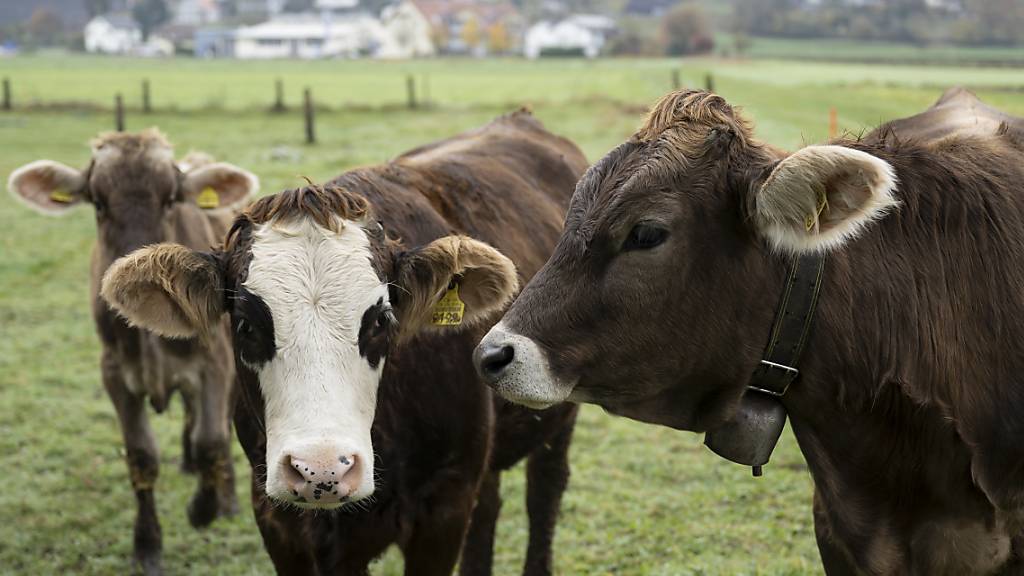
{"x": 62, "y": 196}
{"x": 208, "y": 198}
{"x": 448, "y": 311}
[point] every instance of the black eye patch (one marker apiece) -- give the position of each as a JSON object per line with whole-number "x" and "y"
{"x": 375, "y": 331}
{"x": 252, "y": 329}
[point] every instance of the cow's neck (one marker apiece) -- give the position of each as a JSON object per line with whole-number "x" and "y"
{"x": 883, "y": 457}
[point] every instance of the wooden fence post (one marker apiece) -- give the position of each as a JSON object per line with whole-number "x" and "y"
{"x": 410, "y": 91}
{"x": 676, "y": 84}
{"x": 278, "y": 96}
{"x": 7, "y": 94}
{"x": 146, "y": 108}
{"x": 709, "y": 82}
{"x": 308, "y": 102}
{"x": 119, "y": 112}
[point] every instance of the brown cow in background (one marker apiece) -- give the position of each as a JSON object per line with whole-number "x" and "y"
{"x": 141, "y": 196}
{"x": 355, "y": 308}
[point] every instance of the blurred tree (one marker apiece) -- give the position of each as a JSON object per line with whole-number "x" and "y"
{"x": 96, "y": 7}
{"x": 470, "y": 31}
{"x": 498, "y": 40}
{"x": 686, "y": 29}
{"x": 998, "y": 21}
{"x": 149, "y": 15}
{"x": 44, "y": 27}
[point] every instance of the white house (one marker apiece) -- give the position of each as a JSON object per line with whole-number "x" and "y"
{"x": 306, "y": 36}
{"x": 408, "y": 32}
{"x": 583, "y": 34}
{"x": 115, "y": 33}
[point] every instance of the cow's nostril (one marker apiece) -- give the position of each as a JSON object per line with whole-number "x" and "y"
{"x": 292, "y": 469}
{"x": 494, "y": 359}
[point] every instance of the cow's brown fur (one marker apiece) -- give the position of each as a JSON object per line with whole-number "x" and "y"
{"x": 440, "y": 439}
{"x": 910, "y": 406}
{"x": 133, "y": 184}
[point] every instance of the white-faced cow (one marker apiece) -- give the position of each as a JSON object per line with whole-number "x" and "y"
{"x": 355, "y": 307}
{"x": 908, "y": 400}
{"x": 141, "y": 196}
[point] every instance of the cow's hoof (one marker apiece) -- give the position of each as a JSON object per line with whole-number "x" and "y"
{"x": 202, "y": 509}
{"x": 148, "y": 565}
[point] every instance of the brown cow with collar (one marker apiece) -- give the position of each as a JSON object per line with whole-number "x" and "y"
{"x": 141, "y": 196}
{"x": 659, "y": 297}
{"x": 346, "y": 303}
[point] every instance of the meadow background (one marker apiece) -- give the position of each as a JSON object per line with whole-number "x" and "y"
{"x": 642, "y": 499}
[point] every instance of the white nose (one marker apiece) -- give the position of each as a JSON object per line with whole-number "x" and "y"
{"x": 517, "y": 368}
{"x": 321, "y": 475}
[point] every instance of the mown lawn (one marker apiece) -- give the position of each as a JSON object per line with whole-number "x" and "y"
{"x": 643, "y": 500}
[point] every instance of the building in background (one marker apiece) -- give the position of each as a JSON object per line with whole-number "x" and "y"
{"x": 114, "y": 33}
{"x": 195, "y": 12}
{"x": 311, "y": 36}
{"x": 473, "y": 28}
{"x": 408, "y": 32}
{"x": 579, "y": 35}
{"x": 214, "y": 43}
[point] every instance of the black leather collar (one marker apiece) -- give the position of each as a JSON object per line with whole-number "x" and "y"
{"x": 779, "y": 366}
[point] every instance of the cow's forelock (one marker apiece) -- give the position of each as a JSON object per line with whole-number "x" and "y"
{"x": 324, "y": 298}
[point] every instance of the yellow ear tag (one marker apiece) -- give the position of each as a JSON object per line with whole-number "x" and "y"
{"x": 448, "y": 311}
{"x": 62, "y": 196}
{"x": 811, "y": 219}
{"x": 208, "y": 198}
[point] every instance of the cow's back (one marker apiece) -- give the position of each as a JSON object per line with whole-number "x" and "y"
{"x": 957, "y": 112}
{"x": 507, "y": 184}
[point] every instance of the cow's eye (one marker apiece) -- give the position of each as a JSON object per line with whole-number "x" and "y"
{"x": 385, "y": 318}
{"x": 243, "y": 328}
{"x": 644, "y": 236}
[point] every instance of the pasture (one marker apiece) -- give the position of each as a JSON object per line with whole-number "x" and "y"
{"x": 642, "y": 500}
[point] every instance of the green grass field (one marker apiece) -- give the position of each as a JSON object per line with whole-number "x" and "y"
{"x": 661, "y": 505}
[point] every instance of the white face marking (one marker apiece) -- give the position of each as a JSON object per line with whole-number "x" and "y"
{"x": 319, "y": 393}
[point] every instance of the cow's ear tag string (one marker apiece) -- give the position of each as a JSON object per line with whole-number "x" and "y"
{"x": 208, "y": 199}
{"x": 61, "y": 196}
{"x": 751, "y": 435}
{"x": 449, "y": 309}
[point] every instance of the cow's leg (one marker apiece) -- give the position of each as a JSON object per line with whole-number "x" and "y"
{"x": 478, "y": 550}
{"x": 833, "y": 559}
{"x": 143, "y": 465}
{"x": 433, "y": 548}
{"x": 188, "y": 462}
{"x": 547, "y": 476}
{"x": 211, "y": 449}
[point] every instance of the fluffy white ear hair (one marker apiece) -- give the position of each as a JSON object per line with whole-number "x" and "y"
{"x": 821, "y": 197}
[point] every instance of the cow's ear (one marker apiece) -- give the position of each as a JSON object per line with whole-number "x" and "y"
{"x": 220, "y": 185}
{"x": 168, "y": 289}
{"x": 822, "y": 196}
{"x": 450, "y": 283}
{"x": 48, "y": 187}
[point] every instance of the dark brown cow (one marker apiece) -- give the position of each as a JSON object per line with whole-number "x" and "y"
{"x": 323, "y": 284}
{"x": 658, "y": 301}
{"x": 140, "y": 197}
